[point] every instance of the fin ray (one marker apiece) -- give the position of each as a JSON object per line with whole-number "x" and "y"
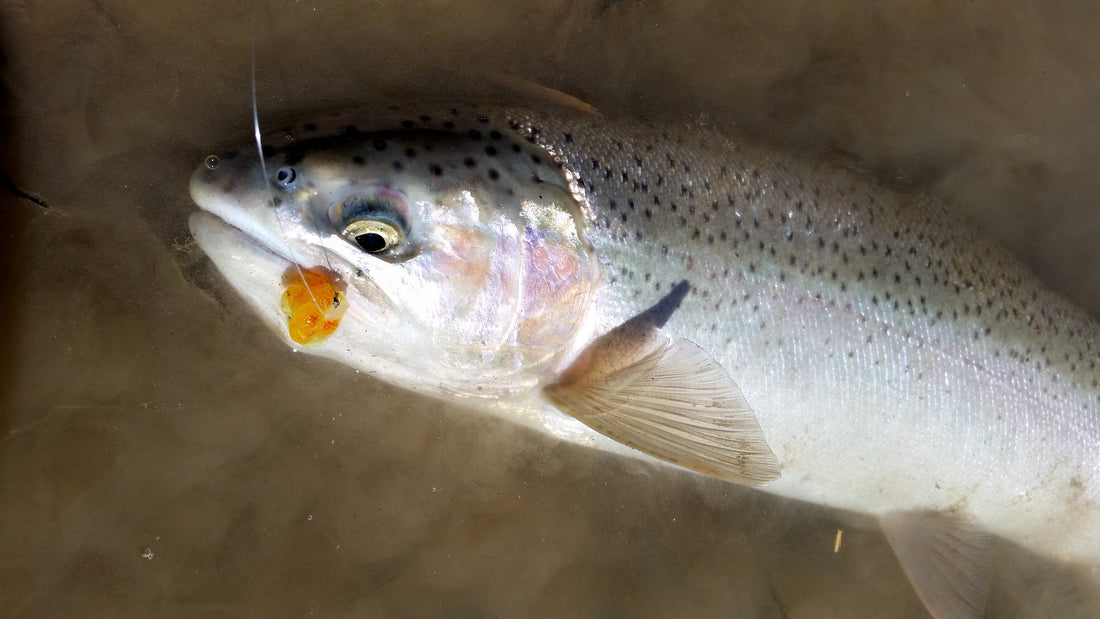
{"x": 946, "y": 559}
{"x": 673, "y": 401}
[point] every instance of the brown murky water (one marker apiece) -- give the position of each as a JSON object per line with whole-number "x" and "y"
{"x": 163, "y": 455}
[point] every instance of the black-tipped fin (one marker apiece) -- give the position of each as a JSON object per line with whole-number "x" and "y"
{"x": 667, "y": 398}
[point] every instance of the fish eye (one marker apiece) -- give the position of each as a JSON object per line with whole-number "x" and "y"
{"x": 212, "y": 162}
{"x": 373, "y": 236}
{"x": 374, "y": 222}
{"x": 285, "y": 177}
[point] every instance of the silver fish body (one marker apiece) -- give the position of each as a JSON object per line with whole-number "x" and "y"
{"x": 865, "y": 326}
{"x": 895, "y": 361}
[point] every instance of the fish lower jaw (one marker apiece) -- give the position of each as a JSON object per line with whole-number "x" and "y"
{"x": 211, "y": 225}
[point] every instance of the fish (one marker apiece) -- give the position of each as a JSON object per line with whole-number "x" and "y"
{"x": 677, "y": 293}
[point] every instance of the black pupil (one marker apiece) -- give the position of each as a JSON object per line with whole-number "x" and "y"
{"x": 371, "y": 241}
{"x": 284, "y": 176}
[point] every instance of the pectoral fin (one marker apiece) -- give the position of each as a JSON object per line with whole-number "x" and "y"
{"x": 667, "y": 398}
{"x": 946, "y": 560}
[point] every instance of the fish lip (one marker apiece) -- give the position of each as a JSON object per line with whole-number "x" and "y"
{"x": 202, "y": 223}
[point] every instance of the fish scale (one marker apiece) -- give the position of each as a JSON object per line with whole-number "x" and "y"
{"x": 719, "y": 305}
{"x": 814, "y": 280}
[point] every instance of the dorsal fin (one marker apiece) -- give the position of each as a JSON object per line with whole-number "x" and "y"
{"x": 538, "y": 93}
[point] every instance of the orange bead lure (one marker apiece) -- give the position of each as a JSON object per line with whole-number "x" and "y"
{"x": 313, "y": 302}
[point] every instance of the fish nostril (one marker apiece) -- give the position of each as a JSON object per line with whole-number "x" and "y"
{"x": 285, "y": 177}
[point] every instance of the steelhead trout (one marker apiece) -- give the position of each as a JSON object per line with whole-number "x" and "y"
{"x": 670, "y": 291}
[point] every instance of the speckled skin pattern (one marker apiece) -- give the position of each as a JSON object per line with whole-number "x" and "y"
{"x": 896, "y": 360}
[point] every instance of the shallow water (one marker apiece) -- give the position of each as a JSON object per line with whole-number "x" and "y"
{"x": 164, "y": 455}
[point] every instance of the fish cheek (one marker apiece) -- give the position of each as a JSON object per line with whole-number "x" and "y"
{"x": 558, "y": 283}
{"x": 466, "y": 262}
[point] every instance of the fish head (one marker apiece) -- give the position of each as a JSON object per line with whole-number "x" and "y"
{"x": 460, "y": 251}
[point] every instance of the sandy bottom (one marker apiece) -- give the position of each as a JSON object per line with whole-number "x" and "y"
{"x": 161, "y": 454}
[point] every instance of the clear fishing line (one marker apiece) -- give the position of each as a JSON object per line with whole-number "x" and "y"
{"x": 263, "y": 168}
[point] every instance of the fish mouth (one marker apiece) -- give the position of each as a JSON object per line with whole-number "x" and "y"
{"x": 257, "y": 271}
{"x": 251, "y": 268}
{"x": 207, "y": 188}
{"x": 221, "y": 240}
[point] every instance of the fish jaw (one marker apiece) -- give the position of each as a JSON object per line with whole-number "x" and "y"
{"x": 251, "y": 268}
{"x": 257, "y": 273}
